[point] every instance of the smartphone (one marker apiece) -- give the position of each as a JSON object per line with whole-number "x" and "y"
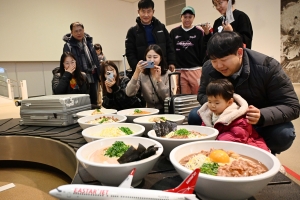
{"x": 150, "y": 64}
{"x": 110, "y": 75}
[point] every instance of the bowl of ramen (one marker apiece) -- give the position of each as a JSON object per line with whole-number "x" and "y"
{"x": 112, "y": 130}
{"x": 110, "y": 160}
{"x": 183, "y": 134}
{"x": 235, "y": 170}
{"x": 95, "y": 112}
{"x": 137, "y": 112}
{"x": 94, "y": 120}
{"x": 149, "y": 121}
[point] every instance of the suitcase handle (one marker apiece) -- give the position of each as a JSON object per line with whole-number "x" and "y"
{"x": 39, "y": 117}
{"x": 171, "y": 74}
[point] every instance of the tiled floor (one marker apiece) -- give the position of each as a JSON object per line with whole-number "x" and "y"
{"x": 289, "y": 158}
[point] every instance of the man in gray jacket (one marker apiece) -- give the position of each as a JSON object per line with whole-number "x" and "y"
{"x": 260, "y": 80}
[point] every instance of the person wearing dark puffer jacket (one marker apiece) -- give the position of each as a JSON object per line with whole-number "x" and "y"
{"x": 114, "y": 95}
{"x": 260, "y": 80}
{"x": 67, "y": 78}
{"x": 147, "y": 31}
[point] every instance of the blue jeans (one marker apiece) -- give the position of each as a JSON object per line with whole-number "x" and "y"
{"x": 279, "y": 137}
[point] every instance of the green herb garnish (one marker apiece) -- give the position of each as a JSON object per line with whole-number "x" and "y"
{"x": 103, "y": 120}
{"x": 163, "y": 119}
{"x": 126, "y": 130}
{"x": 182, "y": 131}
{"x": 98, "y": 110}
{"x": 209, "y": 168}
{"x": 117, "y": 149}
{"x": 137, "y": 111}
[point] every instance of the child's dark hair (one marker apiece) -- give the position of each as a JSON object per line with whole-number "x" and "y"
{"x": 98, "y": 47}
{"x": 144, "y": 4}
{"x": 220, "y": 87}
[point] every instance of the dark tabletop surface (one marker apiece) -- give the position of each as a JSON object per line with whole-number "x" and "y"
{"x": 163, "y": 175}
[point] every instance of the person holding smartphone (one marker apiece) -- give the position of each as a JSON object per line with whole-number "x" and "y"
{"x": 114, "y": 96}
{"x": 152, "y": 79}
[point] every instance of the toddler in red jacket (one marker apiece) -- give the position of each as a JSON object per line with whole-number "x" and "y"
{"x": 226, "y": 112}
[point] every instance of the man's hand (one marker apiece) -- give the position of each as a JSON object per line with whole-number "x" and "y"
{"x": 252, "y": 115}
{"x": 172, "y": 68}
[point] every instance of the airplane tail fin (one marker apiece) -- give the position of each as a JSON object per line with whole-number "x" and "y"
{"x": 187, "y": 186}
{"x": 127, "y": 182}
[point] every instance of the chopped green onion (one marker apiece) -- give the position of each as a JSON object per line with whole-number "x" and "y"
{"x": 117, "y": 149}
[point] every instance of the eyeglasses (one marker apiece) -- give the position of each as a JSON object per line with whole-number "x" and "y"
{"x": 70, "y": 63}
{"x": 146, "y": 11}
{"x": 218, "y": 4}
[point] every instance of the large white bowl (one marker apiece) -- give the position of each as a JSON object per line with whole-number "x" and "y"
{"x": 227, "y": 188}
{"x": 83, "y": 120}
{"x": 130, "y": 116}
{"x": 89, "y": 112}
{"x": 88, "y": 133}
{"x": 114, "y": 174}
{"x": 149, "y": 125}
{"x": 170, "y": 143}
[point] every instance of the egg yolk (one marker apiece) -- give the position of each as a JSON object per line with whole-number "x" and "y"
{"x": 219, "y": 156}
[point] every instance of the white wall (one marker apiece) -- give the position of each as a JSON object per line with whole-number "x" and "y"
{"x": 32, "y": 30}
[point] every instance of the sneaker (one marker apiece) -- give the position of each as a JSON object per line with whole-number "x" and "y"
{"x": 282, "y": 170}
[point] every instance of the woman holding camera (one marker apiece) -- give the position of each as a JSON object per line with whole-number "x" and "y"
{"x": 67, "y": 78}
{"x": 152, "y": 77}
{"x": 113, "y": 88}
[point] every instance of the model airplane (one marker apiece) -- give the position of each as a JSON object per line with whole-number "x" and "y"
{"x": 77, "y": 191}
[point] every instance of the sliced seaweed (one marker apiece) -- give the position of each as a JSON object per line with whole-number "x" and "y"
{"x": 163, "y": 128}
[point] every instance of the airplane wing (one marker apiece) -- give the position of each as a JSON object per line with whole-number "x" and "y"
{"x": 127, "y": 182}
{"x": 191, "y": 198}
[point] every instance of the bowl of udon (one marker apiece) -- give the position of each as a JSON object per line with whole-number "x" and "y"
{"x": 149, "y": 121}
{"x": 110, "y": 166}
{"x": 183, "y": 134}
{"x": 95, "y": 112}
{"x": 112, "y": 130}
{"x": 100, "y": 119}
{"x": 137, "y": 112}
{"x": 228, "y": 170}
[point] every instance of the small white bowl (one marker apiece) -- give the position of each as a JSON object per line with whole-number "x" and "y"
{"x": 149, "y": 125}
{"x": 115, "y": 174}
{"x": 89, "y": 112}
{"x": 171, "y": 143}
{"x": 89, "y": 133}
{"x": 227, "y": 188}
{"x": 130, "y": 116}
{"x": 83, "y": 120}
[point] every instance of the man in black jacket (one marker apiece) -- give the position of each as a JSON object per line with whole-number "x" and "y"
{"x": 81, "y": 45}
{"x": 148, "y": 30}
{"x": 260, "y": 80}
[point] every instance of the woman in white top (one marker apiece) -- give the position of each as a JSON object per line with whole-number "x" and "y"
{"x": 153, "y": 82}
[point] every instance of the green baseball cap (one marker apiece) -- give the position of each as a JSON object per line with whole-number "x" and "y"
{"x": 188, "y": 9}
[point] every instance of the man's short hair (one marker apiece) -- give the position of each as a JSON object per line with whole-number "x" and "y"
{"x": 145, "y": 4}
{"x": 223, "y": 44}
{"x": 76, "y": 24}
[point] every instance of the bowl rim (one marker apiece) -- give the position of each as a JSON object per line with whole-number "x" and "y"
{"x": 79, "y": 113}
{"x": 154, "y": 136}
{"x": 91, "y": 117}
{"x": 155, "y": 111}
{"x": 90, "y": 163}
{"x": 270, "y": 173}
{"x": 136, "y": 120}
{"x": 84, "y": 134}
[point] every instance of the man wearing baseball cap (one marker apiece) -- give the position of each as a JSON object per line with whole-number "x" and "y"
{"x": 190, "y": 51}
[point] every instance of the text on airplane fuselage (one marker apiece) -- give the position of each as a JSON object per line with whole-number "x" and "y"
{"x": 90, "y": 191}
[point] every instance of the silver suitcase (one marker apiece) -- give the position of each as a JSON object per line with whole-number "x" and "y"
{"x": 53, "y": 110}
{"x": 181, "y": 103}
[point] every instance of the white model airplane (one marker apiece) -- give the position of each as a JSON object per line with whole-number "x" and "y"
{"x": 78, "y": 191}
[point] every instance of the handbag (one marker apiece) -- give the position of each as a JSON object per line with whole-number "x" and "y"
{"x": 159, "y": 98}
